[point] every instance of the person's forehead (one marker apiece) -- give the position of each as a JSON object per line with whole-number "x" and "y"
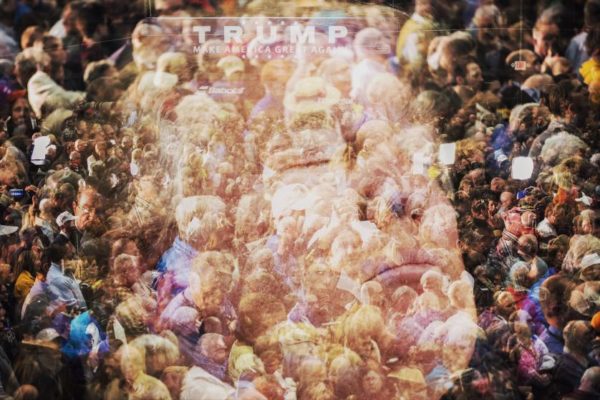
{"x": 473, "y": 67}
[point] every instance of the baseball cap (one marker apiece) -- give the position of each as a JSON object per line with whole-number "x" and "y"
{"x": 64, "y": 217}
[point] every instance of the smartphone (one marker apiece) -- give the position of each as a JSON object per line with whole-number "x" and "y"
{"x": 17, "y": 194}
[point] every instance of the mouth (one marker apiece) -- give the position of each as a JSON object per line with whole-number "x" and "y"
{"x": 407, "y": 270}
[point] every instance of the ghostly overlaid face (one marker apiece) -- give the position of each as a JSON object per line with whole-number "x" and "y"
{"x": 342, "y": 247}
{"x": 372, "y": 383}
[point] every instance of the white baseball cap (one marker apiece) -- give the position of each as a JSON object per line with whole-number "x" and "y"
{"x": 64, "y": 217}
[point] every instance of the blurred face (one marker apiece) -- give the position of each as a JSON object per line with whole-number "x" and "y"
{"x": 207, "y": 292}
{"x": 85, "y": 211}
{"x": 75, "y": 158}
{"x": 56, "y": 51}
{"x": 69, "y": 17}
{"x": 372, "y": 383}
{"x": 474, "y": 76}
{"x": 341, "y": 78}
{"x": 506, "y": 305}
{"x": 544, "y": 39}
{"x": 20, "y": 111}
{"x": 486, "y": 32}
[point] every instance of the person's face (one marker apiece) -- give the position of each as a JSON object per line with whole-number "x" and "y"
{"x": 455, "y": 354}
{"x": 69, "y": 17}
{"x": 372, "y": 383}
{"x": 20, "y": 111}
{"x": 319, "y": 279}
{"x": 85, "y": 211}
{"x": 80, "y": 146}
{"x": 342, "y": 79}
{"x": 75, "y": 159}
{"x": 218, "y": 351}
{"x": 126, "y": 142}
{"x": 486, "y": 30}
{"x": 474, "y": 76}
{"x": 506, "y": 306}
{"x": 207, "y": 293}
{"x": 56, "y": 51}
{"x": 544, "y": 39}
{"x": 363, "y": 347}
{"x": 100, "y": 149}
{"x": 424, "y": 8}
{"x": 506, "y": 201}
{"x": 277, "y": 85}
{"x": 497, "y": 185}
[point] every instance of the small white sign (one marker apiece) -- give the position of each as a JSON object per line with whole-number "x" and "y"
{"x": 522, "y": 168}
{"x": 40, "y": 146}
{"x": 447, "y": 153}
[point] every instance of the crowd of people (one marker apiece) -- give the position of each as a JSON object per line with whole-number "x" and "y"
{"x": 368, "y": 203}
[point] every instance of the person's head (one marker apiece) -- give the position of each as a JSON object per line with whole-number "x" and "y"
{"x": 28, "y": 236}
{"x": 432, "y": 280}
{"x": 30, "y": 35}
{"x": 424, "y": 8}
{"x": 403, "y": 299}
{"x": 578, "y": 336}
{"x": 337, "y": 71}
{"x": 555, "y": 293}
{"x": 90, "y": 19}
{"x": 203, "y": 222}
{"x": 590, "y": 381}
{"x": 497, "y": 185}
{"x": 28, "y": 62}
{"x": 52, "y": 46}
{"x": 507, "y": 200}
{"x": 527, "y": 246}
{"x": 100, "y": 149}
{"x": 268, "y": 386}
{"x": 176, "y": 64}
{"x": 519, "y": 276}
{"x": 274, "y": 76}
{"x": 474, "y": 76}
{"x": 213, "y": 347}
{"x": 211, "y": 280}
{"x": 55, "y": 253}
{"x": 370, "y": 43}
{"x": 26, "y": 392}
{"x": 373, "y": 379}
{"x": 487, "y": 21}
{"x": 132, "y": 362}
{"x": 99, "y": 69}
{"x": 257, "y": 313}
{"x": 126, "y": 270}
{"x": 545, "y": 36}
{"x": 504, "y": 303}
{"x": 458, "y": 345}
{"x": 87, "y": 204}
{"x": 591, "y": 13}
{"x": 27, "y": 261}
{"x": 362, "y": 328}
{"x": 20, "y": 111}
